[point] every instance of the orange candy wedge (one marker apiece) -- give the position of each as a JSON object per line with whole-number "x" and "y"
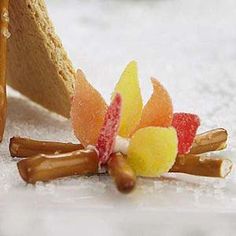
{"x": 159, "y": 109}
{"x": 87, "y": 111}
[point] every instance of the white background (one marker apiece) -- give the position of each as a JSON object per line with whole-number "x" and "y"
{"x": 191, "y": 47}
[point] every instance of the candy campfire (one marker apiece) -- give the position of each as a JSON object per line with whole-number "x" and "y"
{"x": 124, "y": 139}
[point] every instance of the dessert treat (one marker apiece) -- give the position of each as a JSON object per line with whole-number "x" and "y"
{"x": 112, "y": 138}
{"x": 128, "y": 88}
{"x": 25, "y": 147}
{"x": 152, "y": 151}
{"x": 49, "y": 167}
{"x": 123, "y": 175}
{"x": 159, "y": 109}
{"x": 108, "y": 133}
{"x": 202, "y": 166}
{"x": 186, "y": 126}
{"x": 87, "y": 111}
{"x": 188, "y": 164}
{"x": 38, "y": 66}
{"x": 4, "y": 35}
{"x": 214, "y": 140}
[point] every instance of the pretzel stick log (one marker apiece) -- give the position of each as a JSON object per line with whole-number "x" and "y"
{"x": 45, "y": 167}
{"x": 202, "y": 166}
{"x": 213, "y": 140}
{"x": 4, "y": 35}
{"x": 25, "y": 147}
{"x": 123, "y": 175}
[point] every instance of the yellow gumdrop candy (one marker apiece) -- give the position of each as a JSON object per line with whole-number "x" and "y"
{"x": 132, "y": 104}
{"x": 152, "y": 151}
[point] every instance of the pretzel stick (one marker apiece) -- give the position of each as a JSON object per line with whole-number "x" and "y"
{"x": 123, "y": 175}
{"x": 190, "y": 164}
{"x": 213, "y": 140}
{"x": 25, "y": 147}
{"x": 4, "y": 35}
{"x": 46, "y": 167}
{"x": 202, "y": 166}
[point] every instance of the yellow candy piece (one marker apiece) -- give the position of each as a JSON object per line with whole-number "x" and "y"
{"x": 152, "y": 151}
{"x": 132, "y": 104}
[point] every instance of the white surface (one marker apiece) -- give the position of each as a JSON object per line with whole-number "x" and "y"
{"x": 190, "y": 46}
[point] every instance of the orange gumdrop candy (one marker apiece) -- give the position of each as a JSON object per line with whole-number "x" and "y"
{"x": 87, "y": 111}
{"x": 159, "y": 109}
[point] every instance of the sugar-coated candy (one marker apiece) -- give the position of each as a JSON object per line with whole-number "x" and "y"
{"x": 186, "y": 125}
{"x": 128, "y": 87}
{"x": 152, "y": 151}
{"x": 159, "y": 109}
{"x": 87, "y": 111}
{"x": 108, "y": 133}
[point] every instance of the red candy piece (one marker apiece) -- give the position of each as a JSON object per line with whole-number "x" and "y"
{"x": 108, "y": 133}
{"x": 186, "y": 126}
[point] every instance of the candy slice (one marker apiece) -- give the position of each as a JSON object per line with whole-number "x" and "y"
{"x": 132, "y": 104}
{"x": 186, "y": 126}
{"x": 107, "y": 137}
{"x": 87, "y": 111}
{"x": 159, "y": 110}
{"x": 152, "y": 151}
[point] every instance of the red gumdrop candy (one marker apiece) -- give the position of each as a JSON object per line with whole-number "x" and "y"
{"x": 186, "y": 126}
{"x": 108, "y": 133}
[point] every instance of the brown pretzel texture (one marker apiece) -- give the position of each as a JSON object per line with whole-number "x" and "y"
{"x": 4, "y": 35}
